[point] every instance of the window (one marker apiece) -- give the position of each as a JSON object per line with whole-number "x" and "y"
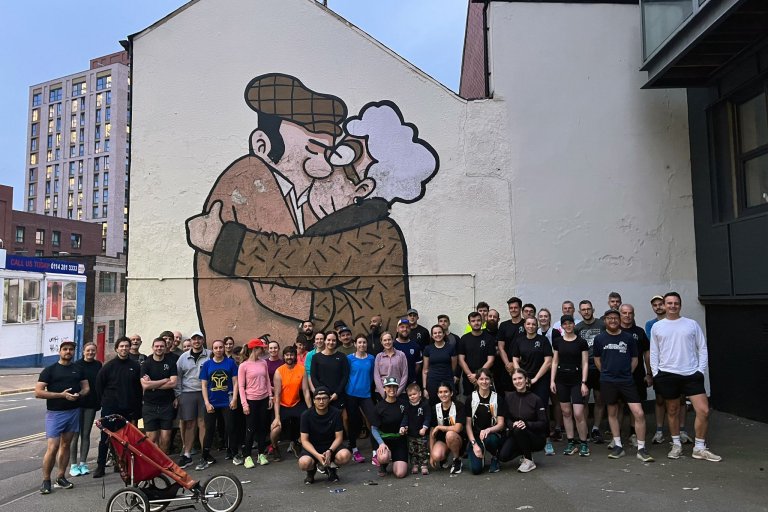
{"x": 71, "y": 169}
{"x": 39, "y": 253}
{"x": 95, "y": 196}
{"x": 32, "y": 188}
{"x": 97, "y": 147}
{"x": 58, "y": 140}
{"x": 106, "y": 163}
{"x": 35, "y": 115}
{"x": 33, "y": 159}
{"x": 108, "y": 114}
{"x": 103, "y": 82}
{"x": 72, "y": 138}
{"x": 70, "y": 196}
{"x": 95, "y": 212}
{"x": 21, "y": 301}
{"x": 96, "y": 164}
{"x": 97, "y": 132}
{"x": 111, "y": 332}
{"x": 31, "y": 204}
{"x": 61, "y": 301}
{"x": 73, "y": 122}
{"x": 81, "y": 150}
{"x": 47, "y": 204}
{"x": 50, "y": 126}
{"x": 72, "y": 151}
{"x": 95, "y": 176}
{"x": 58, "y": 124}
{"x": 108, "y": 282}
{"x": 103, "y": 245}
{"x": 107, "y": 130}
{"x": 82, "y": 135}
{"x": 55, "y": 212}
{"x": 51, "y": 111}
{"x": 37, "y": 99}
{"x": 82, "y": 118}
{"x": 33, "y": 145}
{"x": 54, "y": 95}
{"x": 49, "y": 142}
{"x": 69, "y": 213}
{"x": 56, "y": 187}
{"x": 99, "y": 99}
{"x": 76, "y": 240}
{"x": 57, "y": 154}
{"x": 79, "y": 167}
{"x": 104, "y": 210}
{"x": 104, "y": 196}
{"x": 48, "y": 183}
{"x": 20, "y": 234}
{"x": 108, "y": 97}
{"x": 56, "y": 238}
{"x": 98, "y": 115}
{"x": 105, "y": 179}
{"x": 55, "y": 203}
{"x": 104, "y": 226}
{"x": 40, "y": 237}
{"x": 75, "y": 105}
{"x": 752, "y": 149}
{"x": 32, "y": 174}
{"x": 49, "y": 156}
{"x": 106, "y": 145}
{"x": 35, "y": 129}
{"x": 78, "y": 89}
{"x": 79, "y": 199}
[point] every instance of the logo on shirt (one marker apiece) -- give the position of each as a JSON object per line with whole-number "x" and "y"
{"x": 166, "y": 367}
{"x": 482, "y": 343}
{"x": 219, "y": 380}
{"x": 537, "y": 344}
{"x": 420, "y": 411}
{"x": 621, "y": 347}
{"x": 402, "y": 408}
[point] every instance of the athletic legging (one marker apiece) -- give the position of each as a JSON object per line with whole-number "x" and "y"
{"x": 257, "y": 426}
{"x": 491, "y": 445}
{"x": 222, "y": 416}
{"x": 521, "y": 442}
{"x": 87, "y": 416}
{"x": 353, "y": 406}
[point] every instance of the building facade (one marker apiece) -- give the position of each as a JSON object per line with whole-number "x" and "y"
{"x": 559, "y": 183}
{"x": 32, "y": 234}
{"x": 717, "y": 52}
{"x": 78, "y": 143}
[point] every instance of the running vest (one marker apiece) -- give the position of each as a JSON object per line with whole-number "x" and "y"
{"x": 451, "y": 413}
{"x": 493, "y": 405}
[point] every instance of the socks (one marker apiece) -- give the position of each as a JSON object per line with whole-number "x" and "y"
{"x": 676, "y": 441}
{"x": 700, "y": 444}
{"x": 640, "y": 445}
{"x": 617, "y": 441}
{"x": 659, "y": 429}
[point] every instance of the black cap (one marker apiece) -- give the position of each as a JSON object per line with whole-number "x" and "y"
{"x": 566, "y": 318}
{"x": 322, "y": 390}
{"x": 611, "y": 312}
{"x": 343, "y": 328}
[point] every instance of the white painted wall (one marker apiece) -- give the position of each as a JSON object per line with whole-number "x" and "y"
{"x": 500, "y": 218}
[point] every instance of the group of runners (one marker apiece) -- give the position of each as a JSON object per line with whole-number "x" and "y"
{"x": 423, "y": 399}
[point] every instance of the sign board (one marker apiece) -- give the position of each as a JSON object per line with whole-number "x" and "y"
{"x": 29, "y": 264}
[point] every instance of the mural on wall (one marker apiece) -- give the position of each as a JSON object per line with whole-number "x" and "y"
{"x": 299, "y": 228}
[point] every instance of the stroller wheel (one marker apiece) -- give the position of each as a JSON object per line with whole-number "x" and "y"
{"x": 129, "y": 499}
{"x": 155, "y": 489}
{"x": 222, "y": 493}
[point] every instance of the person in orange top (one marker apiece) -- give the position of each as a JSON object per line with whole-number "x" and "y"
{"x": 292, "y": 398}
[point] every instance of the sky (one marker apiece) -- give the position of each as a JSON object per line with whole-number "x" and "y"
{"x": 428, "y": 33}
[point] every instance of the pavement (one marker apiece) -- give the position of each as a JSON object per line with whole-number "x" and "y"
{"x": 18, "y": 380}
{"x": 560, "y": 483}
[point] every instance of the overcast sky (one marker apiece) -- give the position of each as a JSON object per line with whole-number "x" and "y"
{"x": 47, "y": 39}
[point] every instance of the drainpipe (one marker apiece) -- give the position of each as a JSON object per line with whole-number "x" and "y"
{"x": 486, "y": 29}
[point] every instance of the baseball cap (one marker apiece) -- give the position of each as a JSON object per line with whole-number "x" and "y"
{"x": 256, "y": 342}
{"x": 391, "y": 381}
{"x": 322, "y": 390}
{"x": 196, "y": 333}
{"x": 657, "y": 297}
{"x": 566, "y": 318}
{"x": 412, "y": 312}
{"x": 403, "y": 321}
{"x": 67, "y": 341}
{"x": 611, "y": 312}
{"x": 343, "y": 328}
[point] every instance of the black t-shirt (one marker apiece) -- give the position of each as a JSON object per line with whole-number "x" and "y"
{"x": 508, "y": 331}
{"x": 532, "y": 353}
{"x": 91, "y": 370}
{"x": 587, "y": 332}
{"x": 476, "y": 349}
{"x": 417, "y": 416}
{"x": 321, "y": 428}
{"x": 483, "y": 417}
{"x": 59, "y": 377}
{"x": 158, "y": 370}
{"x": 615, "y": 352}
{"x": 569, "y": 359}
{"x": 172, "y": 357}
{"x": 331, "y": 371}
{"x": 389, "y": 416}
{"x": 443, "y": 419}
{"x": 643, "y": 346}
{"x": 420, "y": 335}
{"x": 440, "y": 369}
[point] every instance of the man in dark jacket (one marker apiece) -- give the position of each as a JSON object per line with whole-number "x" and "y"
{"x": 118, "y": 385}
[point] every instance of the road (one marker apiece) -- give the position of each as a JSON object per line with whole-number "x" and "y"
{"x": 21, "y": 414}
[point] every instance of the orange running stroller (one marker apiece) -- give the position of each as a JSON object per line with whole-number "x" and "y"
{"x": 153, "y": 480}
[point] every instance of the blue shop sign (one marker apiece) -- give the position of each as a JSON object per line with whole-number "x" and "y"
{"x": 29, "y": 264}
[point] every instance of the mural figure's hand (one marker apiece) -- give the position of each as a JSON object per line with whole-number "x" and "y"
{"x": 204, "y": 229}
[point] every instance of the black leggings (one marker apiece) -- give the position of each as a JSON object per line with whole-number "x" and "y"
{"x": 354, "y": 405}
{"x": 222, "y": 416}
{"x": 521, "y": 442}
{"x": 257, "y": 426}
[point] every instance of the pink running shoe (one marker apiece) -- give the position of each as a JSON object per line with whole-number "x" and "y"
{"x": 358, "y": 457}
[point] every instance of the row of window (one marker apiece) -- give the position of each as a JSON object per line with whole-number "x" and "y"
{"x": 21, "y": 302}
{"x": 32, "y": 190}
{"x": 112, "y": 282}
{"x": 78, "y": 89}
{"x": 76, "y": 240}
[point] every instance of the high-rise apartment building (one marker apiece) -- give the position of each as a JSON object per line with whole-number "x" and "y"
{"x": 78, "y": 146}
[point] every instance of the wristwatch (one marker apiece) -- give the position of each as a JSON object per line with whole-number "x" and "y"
{"x": 473, "y": 442}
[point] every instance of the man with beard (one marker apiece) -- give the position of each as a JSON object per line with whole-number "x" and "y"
{"x": 410, "y": 348}
{"x": 568, "y": 309}
{"x": 642, "y": 374}
{"x": 476, "y": 350}
{"x": 499, "y": 370}
{"x": 158, "y": 379}
{"x": 61, "y": 385}
{"x": 308, "y": 331}
{"x": 292, "y": 398}
{"x": 189, "y": 396}
{"x": 587, "y": 329}
{"x": 508, "y": 331}
{"x": 374, "y": 335}
{"x": 119, "y": 386}
{"x": 419, "y": 333}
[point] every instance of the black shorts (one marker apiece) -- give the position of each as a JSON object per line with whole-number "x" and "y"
{"x": 612, "y": 391}
{"x": 158, "y": 417}
{"x": 593, "y": 379}
{"x": 642, "y": 388}
{"x": 287, "y": 413}
{"x": 672, "y": 385}
{"x": 570, "y": 393}
{"x": 398, "y": 447}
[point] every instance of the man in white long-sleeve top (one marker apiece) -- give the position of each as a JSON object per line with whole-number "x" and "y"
{"x": 678, "y": 364}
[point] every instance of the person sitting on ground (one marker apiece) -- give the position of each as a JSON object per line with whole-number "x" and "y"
{"x": 322, "y": 435}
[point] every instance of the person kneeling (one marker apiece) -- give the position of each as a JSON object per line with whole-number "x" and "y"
{"x": 322, "y": 434}
{"x": 526, "y": 420}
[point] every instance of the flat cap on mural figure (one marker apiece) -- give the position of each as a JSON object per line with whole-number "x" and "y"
{"x": 305, "y": 232}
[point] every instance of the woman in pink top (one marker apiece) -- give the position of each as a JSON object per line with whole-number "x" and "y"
{"x": 390, "y": 363}
{"x": 256, "y": 395}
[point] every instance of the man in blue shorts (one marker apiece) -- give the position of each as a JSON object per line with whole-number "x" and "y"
{"x": 61, "y": 385}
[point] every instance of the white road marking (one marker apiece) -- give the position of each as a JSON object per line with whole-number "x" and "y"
{"x": 14, "y": 408}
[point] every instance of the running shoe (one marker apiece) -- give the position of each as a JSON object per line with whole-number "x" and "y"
{"x": 675, "y": 452}
{"x": 203, "y": 464}
{"x": 99, "y": 473}
{"x": 685, "y": 438}
{"x": 644, "y": 456}
{"x": 323, "y": 470}
{"x": 571, "y": 449}
{"x": 270, "y": 450}
{"x": 597, "y": 437}
{"x": 84, "y": 468}
{"x": 358, "y": 457}
{"x": 74, "y": 470}
{"x": 248, "y": 463}
{"x": 611, "y": 445}
{"x": 228, "y": 456}
{"x": 237, "y": 460}
{"x": 333, "y": 475}
{"x": 185, "y": 461}
{"x": 633, "y": 440}
{"x": 616, "y": 453}
{"x": 457, "y": 466}
{"x": 526, "y": 466}
{"x": 549, "y": 449}
{"x": 209, "y": 459}
{"x": 46, "y": 487}
{"x": 658, "y": 437}
{"x": 494, "y": 468}
{"x": 63, "y": 483}
{"x": 705, "y": 454}
{"x": 310, "y": 478}
{"x": 584, "y": 450}
{"x": 293, "y": 449}
{"x": 557, "y": 435}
